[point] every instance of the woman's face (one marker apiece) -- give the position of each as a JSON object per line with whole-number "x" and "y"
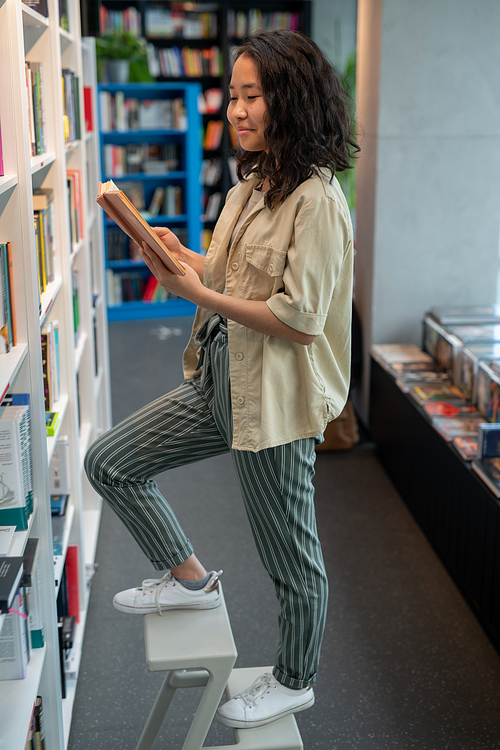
{"x": 247, "y": 110}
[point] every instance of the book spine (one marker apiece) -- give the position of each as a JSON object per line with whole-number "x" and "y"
{"x": 72, "y": 582}
{"x": 14, "y": 648}
{"x": 11, "y": 289}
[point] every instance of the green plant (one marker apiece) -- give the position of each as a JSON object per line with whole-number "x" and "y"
{"x": 124, "y": 45}
{"x": 347, "y": 178}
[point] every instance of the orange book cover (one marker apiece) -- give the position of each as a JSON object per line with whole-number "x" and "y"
{"x": 118, "y": 207}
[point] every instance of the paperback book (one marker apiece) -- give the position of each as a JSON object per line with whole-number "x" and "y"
{"x": 488, "y": 440}
{"x": 448, "y": 409}
{"x": 443, "y": 392}
{"x": 457, "y": 426}
{"x": 466, "y": 447}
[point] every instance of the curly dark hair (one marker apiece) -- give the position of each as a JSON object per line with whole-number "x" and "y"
{"x": 310, "y": 125}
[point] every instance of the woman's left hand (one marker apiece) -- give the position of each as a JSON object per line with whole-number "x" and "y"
{"x": 187, "y": 286}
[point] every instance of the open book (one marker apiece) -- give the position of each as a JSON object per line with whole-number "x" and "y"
{"x": 124, "y": 213}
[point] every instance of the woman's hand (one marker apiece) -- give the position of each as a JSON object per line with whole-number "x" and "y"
{"x": 188, "y": 286}
{"x": 179, "y": 251}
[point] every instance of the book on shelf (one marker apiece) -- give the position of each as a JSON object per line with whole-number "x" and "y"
{"x": 487, "y": 388}
{"x": 63, "y": 15}
{"x": 212, "y": 206}
{"x": 389, "y": 354}
{"x": 470, "y": 357}
{"x": 488, "y": 441}
{"x": 59, "y": 470}
{"x": 75, "y": 277}
{"x": 73, "y": 590}
{"x": 163, "y": 22}
{"x": 8, "y": 328}
{"x": 71, "y": 106}
{"x": 36, "y": 107}
{"x": 11, "y": 572}
{"x": 127, "y": 19}
{"x": 39, "y": 5}
{"x": 466, "y": 426}
{"x": 247, "y": 22}
{"x": 444, "y": 391}
{"x": 32, "y": 584}
{"x": 116, "y": 204}
{"x": 39, "y": 725}
{"x": 50, "y": 363}
{"x": 88, "y": 109}
{"x": 52, "y": 419}
{"x": 14, "y": 639}
{"x": 75, "y": 204}
{"x": 210, "y": 101}
{"x": 121, "y": 113}
{"x": 489, "y": 471}
{"x": 466, "y": 447}
{"x": 213, "y": 135}
{"x": 137, "y": 158}
{"x": 16, "y": 484}
{"x": 44, "y": 243}
{"x": 58, "y": 504}
{"x": 466, "y": 315}
{"x": 6, "y": 537}
{"x": 448, "y": 409}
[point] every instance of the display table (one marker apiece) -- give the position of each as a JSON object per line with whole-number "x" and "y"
{"x": 456, "y": 511}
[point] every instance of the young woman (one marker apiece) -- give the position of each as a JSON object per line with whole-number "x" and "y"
{"x": 267, "y": 366}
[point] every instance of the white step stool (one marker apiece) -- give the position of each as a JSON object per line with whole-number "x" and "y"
{"x": 197, "y": 649}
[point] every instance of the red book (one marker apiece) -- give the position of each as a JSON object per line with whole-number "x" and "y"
{"x": 150, "y": 289}
{"x": 87, "y": 106}
{"x": 77, "y": 195}
{"x": 72, "y": 581}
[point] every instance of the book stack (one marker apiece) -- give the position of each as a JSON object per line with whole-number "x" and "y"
{"x": 8, "y": 330}
{"x": 71, "y": 103}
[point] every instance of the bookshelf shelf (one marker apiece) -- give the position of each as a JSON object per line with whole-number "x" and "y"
{"x": 59, "y": 407}
{"x": 16, "y": 700}
{"x": 10, "y": 364}
{"x": 76, "y": 251}
{"x": 48, "y": 297}
{"x": 127, "y": 281}
{"x": 7, "y": 182}
{"x": 85, "y": 436}
{"x": 66, "y": 35}
{"x": 32, "y": 18}
{"x": 82, "y": 341}
{"x": 42, "y": 161}
{"x": 59, "y": 560}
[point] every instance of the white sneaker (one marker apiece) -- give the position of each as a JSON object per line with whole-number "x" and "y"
{"x": 158, "y": 594}
{"x": 265, "y": 701}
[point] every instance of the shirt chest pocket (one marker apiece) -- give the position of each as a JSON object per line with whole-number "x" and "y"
{"x": 265, "y": 265}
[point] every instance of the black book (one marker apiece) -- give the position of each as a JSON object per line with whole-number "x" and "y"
{"x": 11, "y": 571}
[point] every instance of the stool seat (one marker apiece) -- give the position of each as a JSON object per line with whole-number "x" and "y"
{"x": 196, "y": 648}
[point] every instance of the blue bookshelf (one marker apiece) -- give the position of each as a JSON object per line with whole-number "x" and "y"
{"x": 128, "y": 275}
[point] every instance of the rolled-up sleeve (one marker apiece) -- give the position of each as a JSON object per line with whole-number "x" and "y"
{"x": 314, "y": 259}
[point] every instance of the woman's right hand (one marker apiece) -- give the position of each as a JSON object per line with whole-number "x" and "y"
{"x": 179, "y": 251}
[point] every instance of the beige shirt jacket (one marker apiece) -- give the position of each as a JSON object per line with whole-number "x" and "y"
{"x": 298, "y": 258}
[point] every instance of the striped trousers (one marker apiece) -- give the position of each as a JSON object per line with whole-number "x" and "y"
{"x": 193, "y": 422}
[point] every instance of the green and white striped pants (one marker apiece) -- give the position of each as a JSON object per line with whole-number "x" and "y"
{"x": 191, "y": 423}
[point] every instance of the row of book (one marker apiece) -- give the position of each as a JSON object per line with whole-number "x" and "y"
{"x": 50, "y": 364}
{"x": 71, "y": 105}
{"x": 116, "y": 21}
{"x": 184, "y": 62}
{"x": 8, "y": 330}
{"x": 120, "y": 247}
{"x": 165, "y": 23}
{"x": 44, "y": 236}
{"x": 211, "y": 171}
{"x": 213, "y": 135}
{"x": 73, "y": 179}
{"x": 36, "y": 107}
{"x": 120, "y": 113}
{"x": 141, "y": 158}
{"x": 212, "y": 203}
{"x": 246, "y": 23}
{"x": 455, "y": 380}
{"x": 134, "y": 286}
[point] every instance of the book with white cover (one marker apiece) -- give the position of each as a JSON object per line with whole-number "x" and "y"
{"x": 6, "y": 537}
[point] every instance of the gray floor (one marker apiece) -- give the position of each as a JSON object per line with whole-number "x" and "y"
{"x": 404, "y": 662}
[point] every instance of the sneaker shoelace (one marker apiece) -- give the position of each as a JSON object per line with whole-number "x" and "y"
{"x": 256, "y": 691}
{"x": 156, "y": 585}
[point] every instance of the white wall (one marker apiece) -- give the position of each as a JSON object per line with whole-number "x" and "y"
{"x": 334, "y": 28}
{"x": 428, "y": 178}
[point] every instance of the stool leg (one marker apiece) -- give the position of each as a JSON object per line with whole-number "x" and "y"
{"x": 206, "y": 710}
{"x": 155, "y": 719}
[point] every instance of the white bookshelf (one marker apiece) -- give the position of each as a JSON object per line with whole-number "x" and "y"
{"x": 25, "y": 34}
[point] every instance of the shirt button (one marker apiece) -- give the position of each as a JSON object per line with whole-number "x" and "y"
{"x": 271, "y": 267}
{"x": 235, "y": 266}
{"x": 240, "y": 400}
{"x": 239, "y": 356}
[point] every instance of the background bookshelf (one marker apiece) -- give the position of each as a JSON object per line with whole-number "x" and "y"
{"x": 71, "y": 298}
{"x": 148, "y": 150}
{"x": 190, "y": 42}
